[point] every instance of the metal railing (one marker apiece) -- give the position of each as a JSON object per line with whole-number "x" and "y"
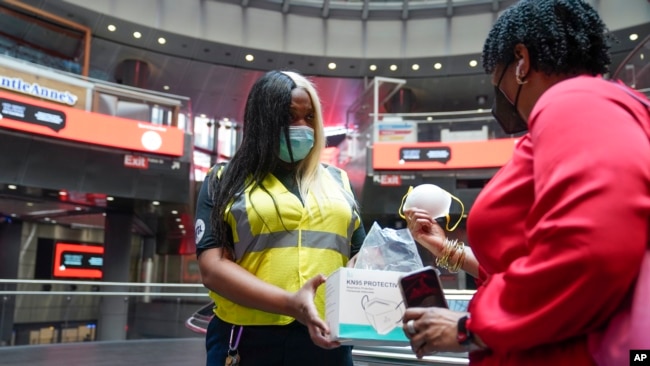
{"x": 199, "y": 320}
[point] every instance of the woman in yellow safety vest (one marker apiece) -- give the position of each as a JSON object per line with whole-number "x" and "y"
{"x": 270, "y": 226}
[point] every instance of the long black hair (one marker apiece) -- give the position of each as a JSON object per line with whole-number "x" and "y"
{"x": 266, "y": 120}
{"x": 562, "y": 36}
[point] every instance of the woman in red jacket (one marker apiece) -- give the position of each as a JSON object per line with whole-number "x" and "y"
{"x": 559, "y": 232}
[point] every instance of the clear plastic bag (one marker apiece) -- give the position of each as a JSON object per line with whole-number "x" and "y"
{"x": 388, "y": 250}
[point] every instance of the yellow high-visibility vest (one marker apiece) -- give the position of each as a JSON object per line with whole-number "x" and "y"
{"x": 288, "y": 252}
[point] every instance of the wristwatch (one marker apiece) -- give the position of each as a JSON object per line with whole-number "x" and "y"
{"x": 464, "y": 337}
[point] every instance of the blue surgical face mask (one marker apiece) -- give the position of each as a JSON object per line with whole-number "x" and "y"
{"x": 302, "y": 140}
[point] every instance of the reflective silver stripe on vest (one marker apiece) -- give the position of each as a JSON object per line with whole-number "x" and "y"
{"x": 283, "y": 239}
{"x": 354, "y": 217}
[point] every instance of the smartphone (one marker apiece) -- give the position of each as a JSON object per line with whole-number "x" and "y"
{"x": 423, "y": 288}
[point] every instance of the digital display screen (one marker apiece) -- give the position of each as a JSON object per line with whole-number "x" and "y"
{"x": 78, "y": 261}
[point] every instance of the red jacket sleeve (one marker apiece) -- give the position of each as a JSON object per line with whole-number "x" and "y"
{"x": 587, "y": 229}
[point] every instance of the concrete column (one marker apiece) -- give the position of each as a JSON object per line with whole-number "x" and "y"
{"x": 113, "y": 313}
{"x": 148, "y": 251}
{"x": 10, "y": 241}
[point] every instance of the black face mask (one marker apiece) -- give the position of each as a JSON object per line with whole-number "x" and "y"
{"x": 505, "y": 112}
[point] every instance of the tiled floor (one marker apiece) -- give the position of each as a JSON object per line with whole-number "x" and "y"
{"x": 159, "y": 352}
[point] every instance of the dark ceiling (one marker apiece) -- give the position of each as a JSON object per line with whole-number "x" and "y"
{"x": 217, "y": 79}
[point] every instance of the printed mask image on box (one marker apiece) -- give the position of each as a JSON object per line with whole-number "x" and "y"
{"x": 363, "y": 307}
{"x": 384, "y": 315}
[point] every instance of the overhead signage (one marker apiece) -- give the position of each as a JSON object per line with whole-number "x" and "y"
{"x": 78, "y": 261}
{"x": 396, "y": 131}
{"x": 134, "y": 161}
{"x": 48, "y": 119}
{"x": 21, "y": 86}
{"x": 438, "y": 155}
{"x": 387, "y": 179}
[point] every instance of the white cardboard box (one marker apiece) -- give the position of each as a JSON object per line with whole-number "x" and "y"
{"x": 365, "y": 307}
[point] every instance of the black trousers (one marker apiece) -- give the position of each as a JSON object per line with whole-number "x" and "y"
{"x": 282, "y": 345}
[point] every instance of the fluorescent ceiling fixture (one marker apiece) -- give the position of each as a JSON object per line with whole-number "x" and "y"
{"x": 249, "y": 57}
{"x": 155, "y": 203}
{"x": 109, "y": 198}
{"x": 112, "y": 28}
{"x": 162, "y": 40}
{"x": 373, "y": 67}
{"x": 137, "y": 34}
{"x": 12, "y": 186}
{"x": 331, "y": 65}
{"x": 393, "y": 67}
{"x": 437, "y": 66}
{"x": 473, "y": 63}
{"x": 174, "y": 212}
{"x": 415, "y": 67}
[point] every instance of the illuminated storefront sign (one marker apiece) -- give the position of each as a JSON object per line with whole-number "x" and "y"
{"x": 442, "y": 155}
{"x": 48, "y": 119}
{"x": 78, "y": 261}
{"x": 21, "y": 86}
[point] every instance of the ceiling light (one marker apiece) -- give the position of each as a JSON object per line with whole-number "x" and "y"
{"x": 429, "y": 118}
{"x": 30, "y": 204}
{"x": 174, "y": 212}
{"x": 178, "y": 219}
{"x": 13, "y": 215}
{"x": 112, "y": 28}
{"x": 437, "y": 66}
{"x": 12, "y": 186}
{"x": 634, "y": 37}
{"x": 77, "y": 208}
{"x": 155, "y": 203}
{"x": 473, "y": 63}
{"x": 373, "y": 67}
{"x": 137, "y": 34}
{"x": 415, "y": 67}
{"x": 166, "y": 87}
{"x": 393, "y": 67}
{"x": 63, "y": 193}
{"x": 331, "y": 65}
{"x": 181, "y": 226}
{"x": 642, "y": 56}
{"x": 249, "y": 58}
{"x": 109, "y": 198}
{"x": 162, "y": 40}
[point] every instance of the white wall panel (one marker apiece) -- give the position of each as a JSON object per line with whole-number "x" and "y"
{"x": 426, "y": 38}
{"x": 344, "y": 38}
{"x": 384, "y": 39}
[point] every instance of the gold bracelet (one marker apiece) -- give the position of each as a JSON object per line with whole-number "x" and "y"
{"x": 461, "y": 258}
{"x": 448, "y": 251}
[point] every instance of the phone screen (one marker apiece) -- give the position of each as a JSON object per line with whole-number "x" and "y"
{"x": 423, "y": 289}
